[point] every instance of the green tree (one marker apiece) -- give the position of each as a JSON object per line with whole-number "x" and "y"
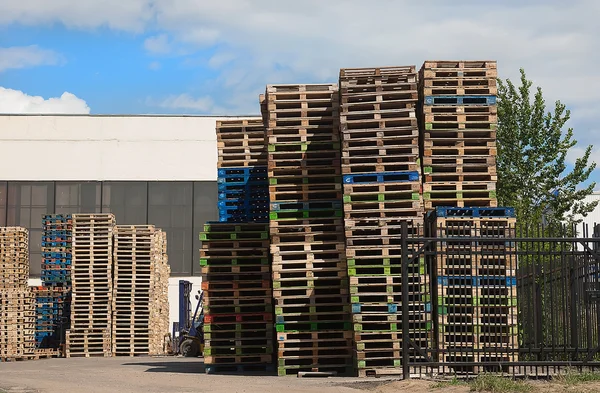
{"x": 532, "y": 149}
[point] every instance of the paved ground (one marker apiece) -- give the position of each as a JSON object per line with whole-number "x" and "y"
{"x": 142, "y": 374}
{"x": 175, "y": 375}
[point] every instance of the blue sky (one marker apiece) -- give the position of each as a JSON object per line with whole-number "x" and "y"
{"x": 205, "y": 57}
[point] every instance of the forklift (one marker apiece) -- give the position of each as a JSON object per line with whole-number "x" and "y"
{"x": 188, "y": 336}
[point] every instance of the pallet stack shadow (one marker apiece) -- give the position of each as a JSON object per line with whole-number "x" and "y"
{"x": 140, "y": 313}
{"x": 380, "y": 163}
{"x": 53, "y": 298}
{"x": 475, "y": 287}
{"x": 91, "y": 278}
{"x": 310, "y": 283}
{"x": 17, "y": 307}
{"x": 458, "y": 100}
{"x": 242, "y": 171}
{"x": 238, "y": 309}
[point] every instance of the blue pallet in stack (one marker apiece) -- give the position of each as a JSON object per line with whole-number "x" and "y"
{"x": 53, "y": 299}
{"x": 243, "y": 194}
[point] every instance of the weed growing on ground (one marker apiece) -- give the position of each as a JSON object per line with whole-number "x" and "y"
{"x": 498, "y": 384}
{"x": 444, "y": 384}
{"x": 575, "y": 378}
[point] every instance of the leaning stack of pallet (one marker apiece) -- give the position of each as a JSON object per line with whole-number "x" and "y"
{"x": 310, "y": 284}
{"x": 242, "y": 171}
{"x": 475, "y": 287}
{"x": 91, "y": 277}
{"x": 17, "y": 308}
{"x": 459, "y": 138}
{"x": 238, "y": 311}
{"x": 137, "y": 251}
{"x": 159, "y": 310}
{"x": 380, "y": 153}
{"x": 53, "y": 298}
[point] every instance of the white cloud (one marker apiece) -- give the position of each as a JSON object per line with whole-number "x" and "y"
{"x": 15, "y": 101}
{"x": 127, "y": 15}
{"x": 158, "y": 44}
{"x": 27, "y": 56}
{"x": 282, "y": 41}
{"x": 154, "y": 66}
{"x": 186, "y": 102}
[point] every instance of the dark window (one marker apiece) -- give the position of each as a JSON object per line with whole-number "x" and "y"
{"x": 27, "y": 202}
{"x": 170, "y": 208}
{"x": 78, "y": 197}
{"x": 3, "y": 201}
{"x": 205, "y": 209}
{"x": 128, "y": 201}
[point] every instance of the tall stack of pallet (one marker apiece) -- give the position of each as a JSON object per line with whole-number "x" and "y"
{"x": 475, "y": 284}
{"x": 458, "y": 100}
{"x": 238, "y": 309}
{"x": 138, "y": 249}
{"x": 53, "y": 298}
{"x": 91, "y": 278}
{"x": 380, "y": 163}
{"x": 17, "y": 307}
{"x": 310, "y": 283}
{"x": 242, "y": 171}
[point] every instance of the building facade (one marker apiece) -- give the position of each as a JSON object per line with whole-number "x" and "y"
{"x": 159, "y": 170}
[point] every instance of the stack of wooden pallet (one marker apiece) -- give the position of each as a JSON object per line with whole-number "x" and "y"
{"x": 242, "y": 170}
{"x": 53, "y": 298}
{"x": 238, "y": 311}
{"x": 91, "y": 277}
{"x": 310, "y": 284}
{"x": 380, "y": 153}
{"x": 475, "y": 284}
{"x": 138, "y": 249}
{"x": 17, "y": 307}
{"x": 159, "y": 311}
{"x": 459, "y": 139}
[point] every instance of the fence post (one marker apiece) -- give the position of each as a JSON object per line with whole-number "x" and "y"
{"x": 405, "y": 309}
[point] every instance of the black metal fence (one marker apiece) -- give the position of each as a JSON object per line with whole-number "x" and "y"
{"x": 501, "y": 298}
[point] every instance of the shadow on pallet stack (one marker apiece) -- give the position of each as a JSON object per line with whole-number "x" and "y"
{"x": 238, "y": 309}
{"x": 310, "y": 283}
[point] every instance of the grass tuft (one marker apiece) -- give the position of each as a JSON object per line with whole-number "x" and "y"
{"x": 498, "y": 384}
{"x": 575, "y": 378}
{"x": 444, "y": 384}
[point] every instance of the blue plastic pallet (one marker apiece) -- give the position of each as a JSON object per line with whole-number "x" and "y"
{"x": 56, "y": 217}
{"x": 255, "y": 193}
{"x": 243, "y": 203}
{"x": 245, "y": 187}
{"x": 478, "y": 281}
{"x": 475, "y": 212}
{"x": 381, "y": 177}
{"x": 460, "y": 100}
{"x": 57, "y": 255}
{"x": 242, "y": 171}
{"x": 315, "y": 205}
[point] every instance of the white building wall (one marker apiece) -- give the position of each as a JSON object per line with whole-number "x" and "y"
{"x": 105, "y": 148}
{"x": 108, "y": 148}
